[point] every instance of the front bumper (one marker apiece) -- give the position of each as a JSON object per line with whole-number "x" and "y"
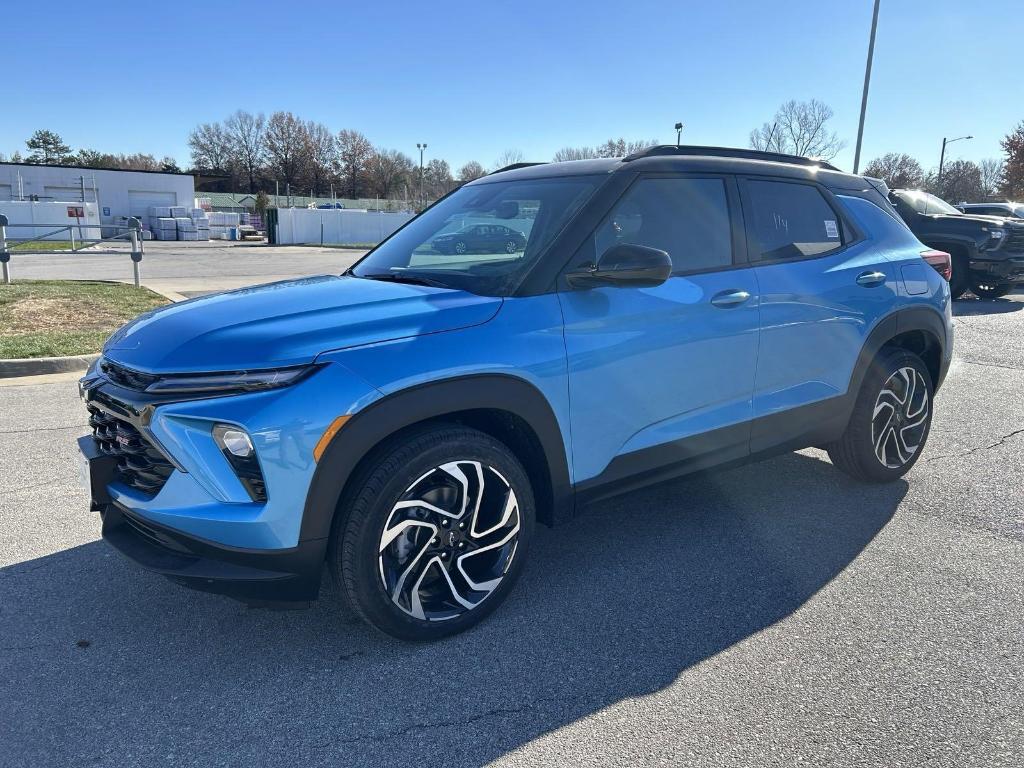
{"x": 1009, "y": 270}
{"x": 250, "y": 575}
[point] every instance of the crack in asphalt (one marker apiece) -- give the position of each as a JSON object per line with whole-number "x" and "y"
{"x": 1001, "y": 441}
{"x": 493, "y": 712}
{"x": 40, "y": 429}
{"x": 992, "y": 365}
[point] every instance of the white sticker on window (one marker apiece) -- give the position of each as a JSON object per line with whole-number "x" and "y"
{"x": 831, "y": 230}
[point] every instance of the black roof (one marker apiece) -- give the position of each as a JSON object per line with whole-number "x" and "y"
{"x": 683, "y": 158}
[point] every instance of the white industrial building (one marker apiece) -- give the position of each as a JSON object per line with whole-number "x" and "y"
{"x": 117, "y": 194}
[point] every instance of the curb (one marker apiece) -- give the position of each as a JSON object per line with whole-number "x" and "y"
{"x": 36, "y": 366}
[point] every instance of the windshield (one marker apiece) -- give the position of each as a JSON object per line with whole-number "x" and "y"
{"x": 922, "y": 202}
{"x": 481, "y": 238}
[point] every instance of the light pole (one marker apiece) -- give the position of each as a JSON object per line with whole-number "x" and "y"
{"x": 421, "y": 147}
{"x": 679, "y": 133}
{"x": 867, "y": 82}
{"x": 942, "y": 157}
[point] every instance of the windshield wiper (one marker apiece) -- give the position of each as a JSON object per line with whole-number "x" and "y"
{"x": 391, "y": 277}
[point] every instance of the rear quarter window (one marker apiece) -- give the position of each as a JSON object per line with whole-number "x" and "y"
{"x": 790, "y": 220}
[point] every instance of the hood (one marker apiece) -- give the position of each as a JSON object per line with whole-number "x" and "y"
{"x": 289, "y": 323}
{"x": 975, "y": 218}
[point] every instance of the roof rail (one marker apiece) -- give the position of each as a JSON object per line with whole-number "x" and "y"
{"x": 513, "y": 167}
{"x": 663, "y": 150}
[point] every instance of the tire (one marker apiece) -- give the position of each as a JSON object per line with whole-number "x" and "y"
{"x": 385, "y": 541}
{"x": 959, "y": 281}
{"x": 510, "y": 246}
{"x": 985, "y": 289}
{"x": 459, "y": 247}
{"x": 872, "y": 434}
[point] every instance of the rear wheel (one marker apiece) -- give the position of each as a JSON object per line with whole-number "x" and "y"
{"x": 510, "y": 246}
{"x": 890, "y": 420}
{"x": 989, "y": 289}
{"x": 436, "y": 535}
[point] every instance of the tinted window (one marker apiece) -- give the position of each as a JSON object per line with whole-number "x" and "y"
{"x": 792, "y": 221}
{"x": 688, "y": 218}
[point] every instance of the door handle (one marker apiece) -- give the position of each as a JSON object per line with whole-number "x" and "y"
{"x": 870, "y": 279}
{"x": 727, "y": 299}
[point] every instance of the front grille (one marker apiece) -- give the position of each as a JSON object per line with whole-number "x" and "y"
{"x": 126, "y": 377}
{"x": 139, "y": 464}
{"x": 1014, "y": 240}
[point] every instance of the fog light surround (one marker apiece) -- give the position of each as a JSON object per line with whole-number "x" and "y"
{"x": 237, "y": 447}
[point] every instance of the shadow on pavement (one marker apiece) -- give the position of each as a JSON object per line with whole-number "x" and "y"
{"x": 102, "y": 662}
{"x": 967, "y": 307}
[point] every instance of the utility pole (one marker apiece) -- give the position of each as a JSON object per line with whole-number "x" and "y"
{"x": 867, "y": 82}
{"x": 421, "y": 147}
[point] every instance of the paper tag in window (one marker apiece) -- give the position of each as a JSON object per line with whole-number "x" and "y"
{"x": 831, "y": 230}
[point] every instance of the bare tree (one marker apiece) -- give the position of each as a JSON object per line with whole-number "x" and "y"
{"x": 437, "y": 179}
{"x": 897, "y": 170}
{"x": 991, "y": 176}
{"x": 612, "y": 148}
{"x": 210, "y": 147}
{"x": 799, "y": 128}
{"x": 961, "y": 182}
{"x": 508, "y": 157}
{"x": 286, "y": 142}
{"x": 574, "y": 153}
{"x": 354, "y": 153}
{"x": 321, "y": 156}
{"x": 245, "y": 131}
{"x": 389, "y": 170}
{"x": 471, "y": 170}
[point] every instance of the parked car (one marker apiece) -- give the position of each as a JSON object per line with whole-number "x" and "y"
{"x": 408, "y": 422}
{"x": 1007, "y": 210}
{"x": 987, "y": 251}
{"x": 480, "y": 238}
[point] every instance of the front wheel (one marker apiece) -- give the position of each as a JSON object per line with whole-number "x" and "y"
{"x": 436, "y": 533}
{"x": 890, "y": 420}
{"x": 988, "y": 289}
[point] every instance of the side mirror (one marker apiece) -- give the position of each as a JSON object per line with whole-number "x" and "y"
{"x": 634, "y": 266}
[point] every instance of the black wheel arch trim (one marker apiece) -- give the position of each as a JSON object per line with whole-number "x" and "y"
{"x": 901, "y": 321}
{"x": 425, "y": 402}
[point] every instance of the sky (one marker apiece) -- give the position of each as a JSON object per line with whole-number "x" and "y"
{"x": 473, "y": 79}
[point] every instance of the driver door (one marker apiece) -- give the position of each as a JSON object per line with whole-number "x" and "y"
{"x": 661, "y": 379}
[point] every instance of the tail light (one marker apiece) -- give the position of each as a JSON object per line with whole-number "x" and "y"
{"x": 940, "y": 260}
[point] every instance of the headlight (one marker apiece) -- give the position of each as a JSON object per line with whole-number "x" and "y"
{"x": 229, "y": 383}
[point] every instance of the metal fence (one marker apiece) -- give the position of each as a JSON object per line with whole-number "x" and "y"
{"x": 130, "y": 233}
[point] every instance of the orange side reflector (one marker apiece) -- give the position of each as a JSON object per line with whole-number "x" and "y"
{"x": 328, "y": 435}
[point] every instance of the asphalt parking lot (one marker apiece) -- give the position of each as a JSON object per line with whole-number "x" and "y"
{"x": 776, "y": 614}
{"x": 189, "y": 268}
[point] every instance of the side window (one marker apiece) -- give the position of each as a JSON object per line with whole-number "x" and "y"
{"x": 791, "y": 221}
{"x": 687, "y": 217}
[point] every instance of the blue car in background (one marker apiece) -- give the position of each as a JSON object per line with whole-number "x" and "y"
{"x": 407, "y": 423}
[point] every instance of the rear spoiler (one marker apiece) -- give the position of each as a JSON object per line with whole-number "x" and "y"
{"x": 880, "y": 186}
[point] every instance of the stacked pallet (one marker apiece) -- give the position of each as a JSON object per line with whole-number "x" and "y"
{"x": 202, "y": 222}
{"x": 187, "y": 229}
{"x": 222, "y": 224}
{"x": 163, "y": 227}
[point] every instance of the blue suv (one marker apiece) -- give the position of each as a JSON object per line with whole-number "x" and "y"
{"x": 405, "y": 424}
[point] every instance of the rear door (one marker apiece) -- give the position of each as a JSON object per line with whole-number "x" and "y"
{"x": 662, "y": 377}
{"x": 823, "y": 285}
